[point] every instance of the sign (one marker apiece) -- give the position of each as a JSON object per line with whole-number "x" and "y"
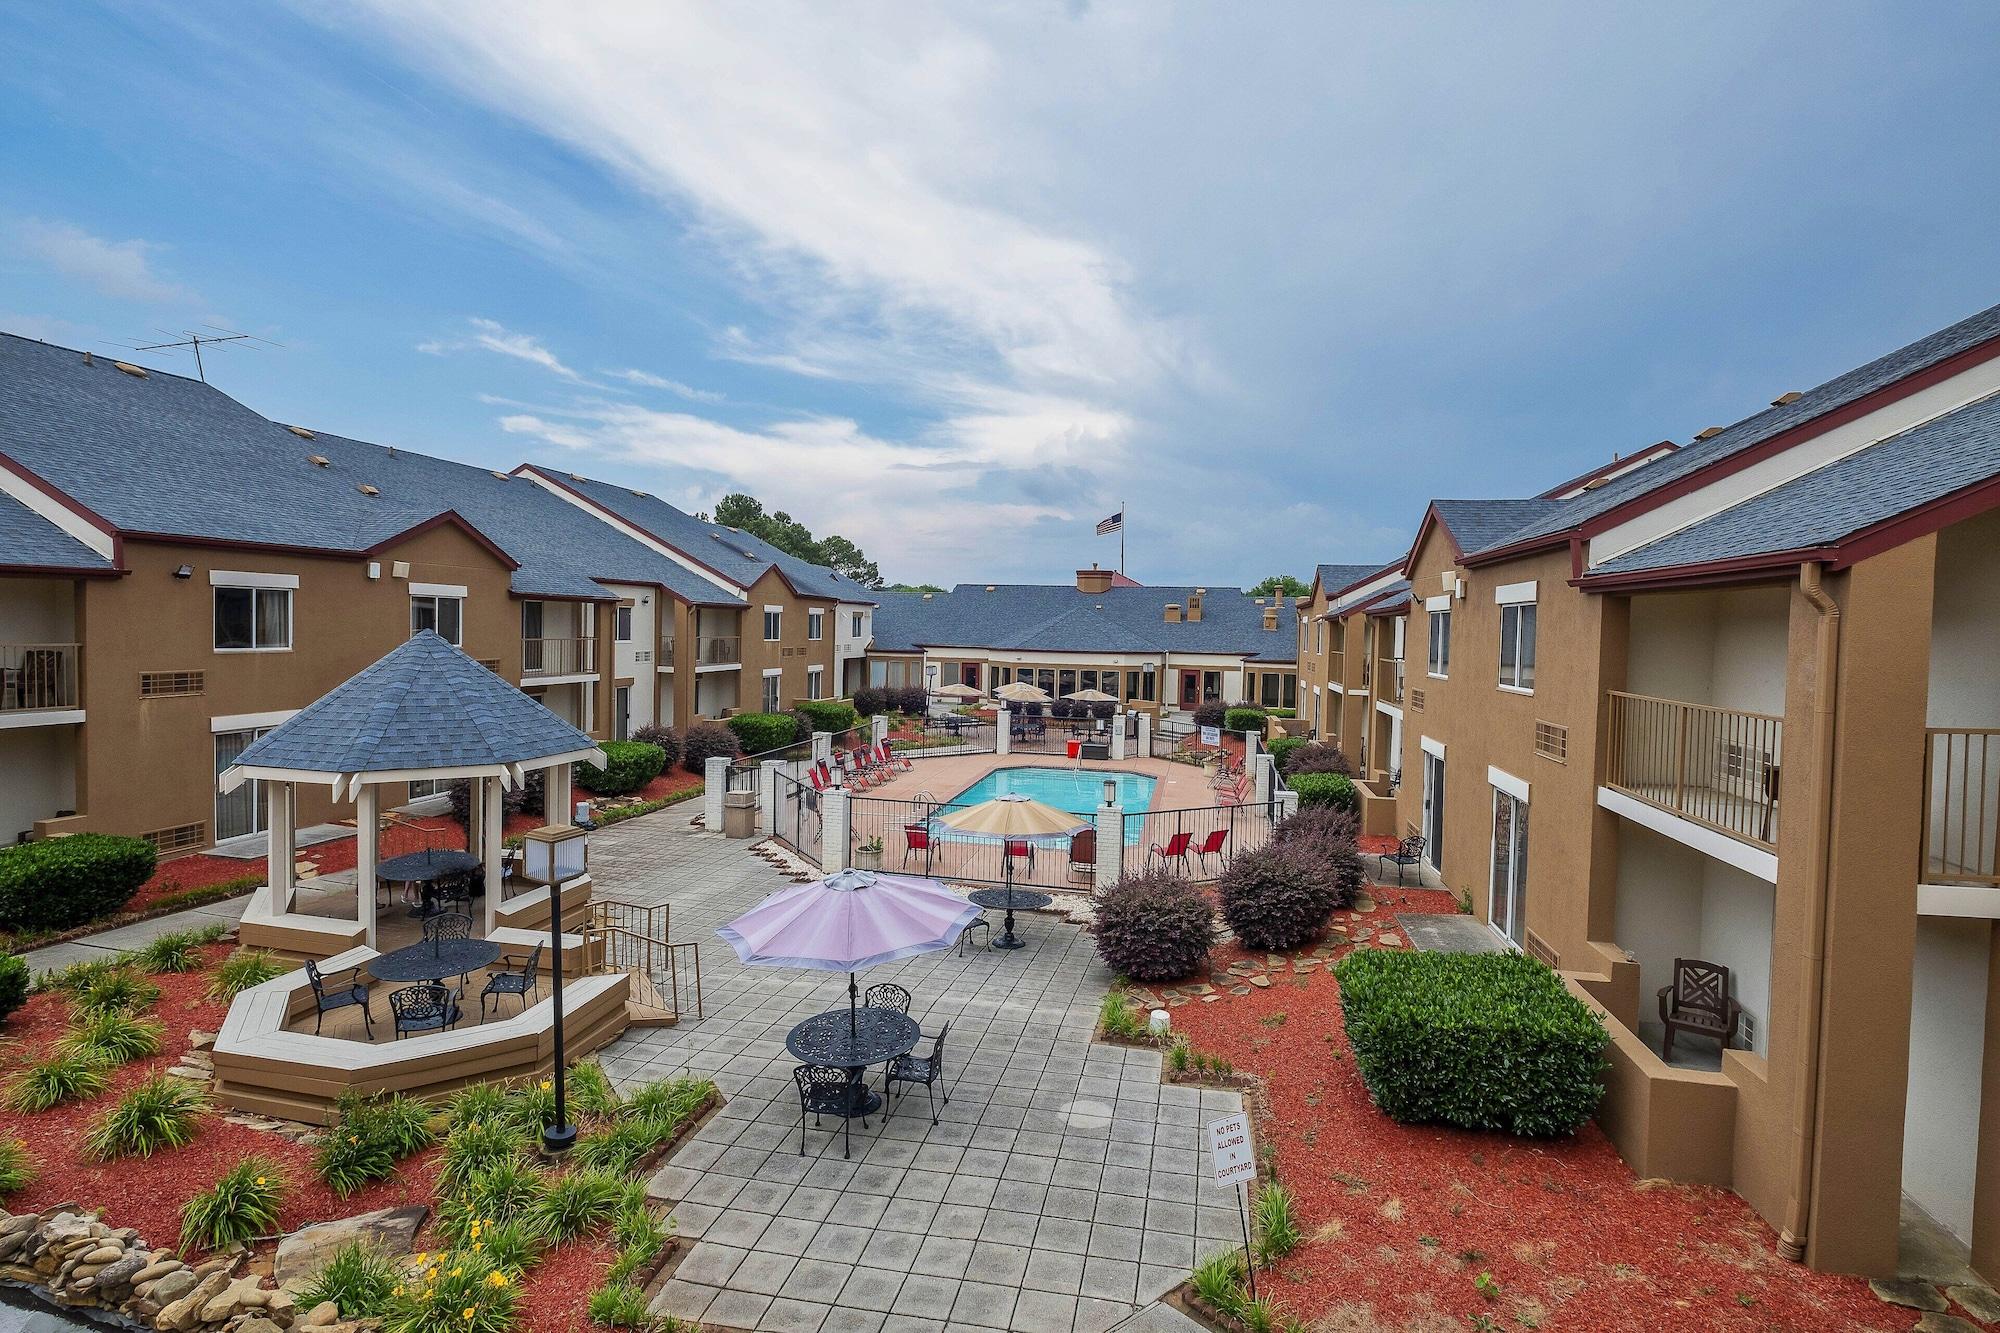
{"x": 1229, "y": 1150}
{"x": 1211, "y": 735}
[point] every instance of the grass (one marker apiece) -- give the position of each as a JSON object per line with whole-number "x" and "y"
{"x": 576, "y": 1205}
{"x": 113, "y": 1037}
{"x": 159, "y": 1113}
{"x": 617, "y": 1147}
{"x": 238, "y": 1208}
{"x": 510, "y": 1245}
{"x": 358, "y": 1279}
{"x": 508, "y": 1191}
{"x": 1275, "y": 1215}
{"x": 671, "y": 1100}
{"x": 115, "y": 990}
{"x": 532, "y": 1107}
{"x": 17, "y": 1167}
{"x": 475, "y": 1103}
{"x": 1218, "y": 1280}
{"x": 369, "y": 1137}
{"x": 177, "y": 951}
{"x": 590, "y": 1091}
{"x": 619, "y": 1305}
{"x": 242, "y": 970}
{"x": 1120, "y": 1021}
{"x": 63, "y": 1077}
{"x": 475, "y": 1147}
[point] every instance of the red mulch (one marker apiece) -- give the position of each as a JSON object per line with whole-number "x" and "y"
{"x": 557, "y": 1292}
{"x": 1402, "y": 1220}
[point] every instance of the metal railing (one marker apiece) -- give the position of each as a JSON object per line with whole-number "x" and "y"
{"x": 1961, "y": 806}
{"x": 1716, "y": 766}
{"x": 798, "y": 820}
{"x": 38, "y": 676}
{"x": 666, "y": 659}
{"x": 1196, "y": 842}
{"x": 720, "y": 650}
{"x": 1051, "y": 731}
{"x": 914, "y": 839}
{"x": 558, "y": 657}
{"x": 1389, "y": 672}
{"x": 929, "y": 737}
{"x": 625, "y": 937}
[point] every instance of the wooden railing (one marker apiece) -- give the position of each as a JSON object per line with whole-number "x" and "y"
{"x": 558, "y": 657}
{"x": 1962, "y": 805}
{"x": 1716, "y": 766}
{"x": 720, "y": 651}
{"x": 37, "y": 676}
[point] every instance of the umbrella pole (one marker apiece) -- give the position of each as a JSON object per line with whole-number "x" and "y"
{"x": 1007, "y": 940}
{"x": 853, "y": 996}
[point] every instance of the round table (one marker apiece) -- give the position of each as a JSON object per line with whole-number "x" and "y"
{"x": 1006, "y": 900}
{"x": 426, "y": 868}
{"x": 874, "y": 1037}
{"x": 434, "y": 960}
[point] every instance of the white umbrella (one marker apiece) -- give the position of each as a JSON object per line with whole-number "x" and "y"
{"x": 1021, "y": 692}
{"x": 959, "y": 690}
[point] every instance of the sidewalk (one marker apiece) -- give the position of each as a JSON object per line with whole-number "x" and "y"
{"x": 93, "y": 948}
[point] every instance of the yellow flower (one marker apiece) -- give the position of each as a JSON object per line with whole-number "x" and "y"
{"x": 478, "y": 1245}
{"x": 260, "y": 1180}
{"x": 354, "y": 1138}
{"x": 547, "y": 1084}
{"x": 468, "y": 1312}
{"x": 399, "y": 1289}
{"x": 496, "y": 1279}
{"x": 424, "y": 1257}
{"x": 458, "y": 1272}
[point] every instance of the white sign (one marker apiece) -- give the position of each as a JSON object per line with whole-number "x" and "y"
{"x": 1229, "y": 1148}
{"x": 1211, "y": 735}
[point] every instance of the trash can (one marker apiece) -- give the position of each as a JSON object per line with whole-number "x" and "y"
{"x": 739, "y": 814}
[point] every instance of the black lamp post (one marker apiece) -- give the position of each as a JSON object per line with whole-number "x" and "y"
{"x": 558, "y": 844}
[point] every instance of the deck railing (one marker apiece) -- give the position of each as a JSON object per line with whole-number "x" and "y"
{"x": 624, "y": 937}
{"x": 1716, "y": 766}
{"x": 1962, "y": 805}
{"x": 558, "y": 657}
{"x": 38, "y": 676}
{"x": 1389, "y": 679}
{"x": 719, "y": 651}
{"x": 665, "y": 661}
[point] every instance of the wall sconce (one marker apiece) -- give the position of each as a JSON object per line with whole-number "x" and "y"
{"x": 184, "y": 572}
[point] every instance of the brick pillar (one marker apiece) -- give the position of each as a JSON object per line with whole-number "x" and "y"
{"x": 715, "y": 780}
{"x": 1145, "y": 734}
{"x": 1001, "y": 737}
{"x": 834, "y": 851}
{"x": 1110, "y": 845}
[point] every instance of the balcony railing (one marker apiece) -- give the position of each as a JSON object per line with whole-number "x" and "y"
{"x": 1716, "y": 766}
{"x": 1336, "y": 667}
{"x": 1389, "y": 678}
{"x": 558, "y": 657}
{"x": 665, "y": 661}
{"x": 37, "y": 676}
{"x": 1962, "y": 804}
{"x": 720, "y": 651}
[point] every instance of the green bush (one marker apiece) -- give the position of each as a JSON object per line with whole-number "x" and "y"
{"x": 66, "y": 1076}
{"x": 17, "y": 1166}
{"x": 1282, "y": 748}
{"x": 705, "y": 741}
{"x": 13, "y": 984}
{"x": 358, "y": 1279}
{"x": 242, "y": 970}
{"x": 58, "y": 883}
{"x": 159, "y": 1113}
{"x": 458, "y": 1291}
{"x": 870, "y": 700}
{"x": 758, "y": 732}
{"x": 1317, "y": 757}
{"x": 834, "y": 715}
{"x": 1210, "y": 714}
{"x": 1480, "y": 1041}
{"x": 239, "y": 1207}
{"x": 113, "y": 1037}
{"x": 666, "y": 738}
{"x": 370, "y": 1135}
{"x": 1245, "y": 717}
{"x": 630, "y": 766}
{"x": 1325, "y": 789}
{"x": 176, "y": 951}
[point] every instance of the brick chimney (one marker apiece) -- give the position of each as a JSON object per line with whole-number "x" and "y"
{"x": 1194, "y": 604}
{"x": 1270, "y": 617}
{"x": 1173, "y": 613}
{"x": 1093, "y": 581}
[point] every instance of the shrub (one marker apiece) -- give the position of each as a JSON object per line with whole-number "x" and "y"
{"x": 456, "y": 1292}
{"x": 1325, "y": 789}
{"x": 159, "y": 1113}
{"x": 1481, "y": 1041}
{"x": 17, "y": 1168}
{"x": 507, "y": 1191}
{"x": 531, "y": 1108}
{"x": 590, "y": 1090}
{"x": 616, "y": 1148}
{"x": 1318, "y": 757}
{"x": 13, "y": 984}
{"x": 705, "y": 741}
{"x": 629, "y": 765}
{"x": 530, "y": 798}
{"x": 619, "y": 1305}
{"x": 758, "y": 732}
{"x": 476, "y": 1102}
{"x": 176, "y": 951}
{"x": 575, "y": 1205}
{"x": 666, "y": 738}
{"x": 510, "y": 1245}
{"x": 368, "y": 1137}
{"x": 239, "y": 1207}
{"x": 1277, "y": 1223}
{"x": 242, "y": 970}
{"x": 1325, "y": 837}
{"x": 914, "y": 700}
{"x": 1154, "y": 926}
{"x": 63, "y": 1077}
{"x": 1119, "y": 1019}
{"x": 58, "y": 883}
{"x": 834, "y": 715}
{"x": 119, "y": 990}
{"x": 113, "y": 1038}
{"x": 1276, "y": 898}
{"x": 1245, "y": 717}
{"x": 476, "y": 1145}
{"x": 869, "y": 700}
{"x": 1218, "y": 1280}
{"x": 1210, "y": 714}
{"x": 669, "y": 1100}
{"x": 358, "y": 1279}
{"x": 1282, "y": 750}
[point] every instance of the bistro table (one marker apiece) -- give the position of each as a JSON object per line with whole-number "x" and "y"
{"x": 854, "y": 1039}
{"x": 1006, "y": 900}
{"x": 425, "y": 869}
{"x": 434, "y": 960}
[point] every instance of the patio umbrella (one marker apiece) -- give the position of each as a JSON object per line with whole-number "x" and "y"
{"x": 1021, "y": 692}
{"x": 1011, "y": 818}
{"x": 1092, "y": 697}
{"x": 959, "y": 690}
{"x": 849, "y": 921}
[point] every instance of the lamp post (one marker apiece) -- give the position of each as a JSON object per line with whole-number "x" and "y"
{"x": 553, "y": 854}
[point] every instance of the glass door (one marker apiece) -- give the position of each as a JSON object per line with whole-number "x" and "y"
{"x": 1434, "y": 810}
{"x": 1507, "y": 902}
{"x": 241, "y": 811}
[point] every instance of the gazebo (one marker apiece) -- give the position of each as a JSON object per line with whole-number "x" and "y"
{"x": 424, "y": 712}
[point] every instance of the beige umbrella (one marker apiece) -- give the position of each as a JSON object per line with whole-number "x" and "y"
{"x": 959, "y": 690}
{"x": 1092, "y": 697}
{"x": 1021, "y": 692}
{"x": 1007, "y": 818}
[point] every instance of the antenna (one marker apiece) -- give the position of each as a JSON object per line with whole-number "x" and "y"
{"x": 195, "y": 340}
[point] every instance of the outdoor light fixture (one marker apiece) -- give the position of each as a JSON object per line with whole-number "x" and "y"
{"x": 550, "y": 855}
{"x": 184, "y": 572}
{"x": 1111, "y": 791}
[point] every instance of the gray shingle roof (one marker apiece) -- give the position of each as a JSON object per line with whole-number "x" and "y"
{"x": 1058, "y": 618}
{"x": 1332, "y": 578}
{"x": 1399, "y": 589}
{"x": 29, "y": 541}
{"x": 1755, "y": 429}
{"x": 1477, "y": 525}
{"x": 424, "y": 705}
{"x": 1925, "y": 463}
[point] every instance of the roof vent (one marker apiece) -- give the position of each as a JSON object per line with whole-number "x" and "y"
{"x": 989, "y": 587}
{"x": 640, "y": 494}
{"x": 366, "y": 489}
{"x": 136, "y": 372}
{"x": 1787, "y": 399}
{"x": 576, "y": 476}
{"x": 87, "y": 360}
{"x": 319, "y": 460}
{"x": 502, "y": 475}
{"x": 1710, "y": 433}
{"x": 300, "y": 431}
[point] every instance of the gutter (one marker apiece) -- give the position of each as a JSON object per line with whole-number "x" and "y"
{"x": 1812, "y": 952}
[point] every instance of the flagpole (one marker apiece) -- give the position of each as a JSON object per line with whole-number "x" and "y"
{"x": 1121, "y": 536}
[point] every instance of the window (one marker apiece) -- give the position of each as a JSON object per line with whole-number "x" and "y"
{"x": 1439, "y": 663}
{"x": 772, "y": 685}
{"x": 1146, "y": 690}
{"x": 774, "y": 624}
{"x": 1517, "y": 646}
{"x": 446, "y": 615}
{"x": 1291, "y": 692}
{"x": 1508, "y": 906}
{"x": 1067, "y": 686}
{"x": 422, "y": 787}
{"x": 813, "y": 688}
{"x": 815, "y": 625}
{"x": 1211, "y": 686}
{"x": 1319, "y": 638}
{"x": 621, "y": 624}
{"x": 854, "y": 621}
{"x": 1269, "y": 682}
{"x": 1108, "y": 682}
{"x": 253, "y": 620}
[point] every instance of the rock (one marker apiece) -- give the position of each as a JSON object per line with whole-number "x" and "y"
{"x": 1262, "y": 983}
{"x": 242, "y": 1294}
{"x": 326, "y": 1312}
{"x": 157, "y": 1266}
{"x": 1945, "y": 1323}
{"x": 1981, "y": 1302}
{"x": 171, "y": 1287}
{"x": 199, "y": 1040}
{"x": 1913, "y": 1295}
{"x": 123, "y": 1271}
{"x": 1210, "y": 999}
{"x": 258, "y": 1324}
{"x": 104, "y": 1254}
{"x": 185, "y": 1312}
{"x": 390, "y": 1230}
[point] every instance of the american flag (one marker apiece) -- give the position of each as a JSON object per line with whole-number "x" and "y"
{"x": 1110, "y": 525}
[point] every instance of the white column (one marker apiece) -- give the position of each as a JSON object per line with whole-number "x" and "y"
{"x": 834, "y": 851}
{"x": 1288, "y": 804}
{"x": 1002, "y": 734}
{"x": 715, "y": 779}
{"x": 767, "y": 793}
{"x": 1260, "y": 772}
{"x": 475, "y": 815}
{"x": 560, "y": 803}
{"x": 282, "y": 854}
{"x": 1118, "y": 735}
{"x": 822, "y": 750}
{"x": 493, "y": 813}
{"x": 1110, "y": 845}
{"x": 1145, "y": 734}
{"x": 878, "y": 728}
{"x": 367, "y": 851}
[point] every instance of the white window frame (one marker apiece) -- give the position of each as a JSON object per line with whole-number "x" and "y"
{"x": 1513, "y": 617}
{"x": 1437, "y": 647}
{"x": 258, "y": 586}
{"x": 857, "y": 621}
{"x": 815, "y": 625}
{"x": 1507, "y": 905}
{"x": 771, "y": 701}
{"x": 774, "y": 618}
{"x": 815, "y": 683}
{"x": 437, "y": 599}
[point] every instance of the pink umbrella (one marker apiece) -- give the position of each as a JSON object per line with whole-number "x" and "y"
{"x": 849, "y": 921}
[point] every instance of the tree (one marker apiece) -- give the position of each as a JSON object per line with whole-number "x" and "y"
{"x": 781, "y": 530}
{"x": 844, "y": 557}
{"x": 914, "y": 587}
{"x": 1282, "y": 583}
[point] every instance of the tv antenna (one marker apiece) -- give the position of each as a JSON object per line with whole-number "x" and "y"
{"x": 189, "y": 338}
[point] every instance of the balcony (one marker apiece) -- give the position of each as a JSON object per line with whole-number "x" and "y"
{"x": 558, "y": 657}
{"x": 1715, "y": 766}
{"x": 1962, "y": 804}
{"x": 38, "y": 678}
{"x": 719, "y": 651}
{"x": 1389, "y": 679}
{"x": 665, "y": 661}
{"x": 1336, "y": 667}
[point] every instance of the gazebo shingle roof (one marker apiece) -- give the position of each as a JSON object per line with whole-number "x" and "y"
{"x": 424, "y": 705}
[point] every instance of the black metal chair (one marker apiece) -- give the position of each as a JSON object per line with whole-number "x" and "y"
{"x": 978, "y": 923}
{"x": 887, "y": 995}
{"x": 827, "y": 1090}
{"x": 449, "y": 926}
{"x": 519, "y": 984}
{"x": 925, "y": 1069}
{"x": 425, "y": 1008}
{"x": 327, "y": 998}
{"x": 1409, "y": 852}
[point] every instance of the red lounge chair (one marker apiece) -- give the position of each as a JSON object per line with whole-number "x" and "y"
{"x": 916, "y": 838}
{"x": 1025, "y": 850}
{"x": 1175, "y": 850}
{"x": 890, "y": 760}
{"x": 1212, "y": 844}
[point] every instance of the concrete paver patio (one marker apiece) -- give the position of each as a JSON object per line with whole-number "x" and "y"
{"x": 1063, "y": 1187}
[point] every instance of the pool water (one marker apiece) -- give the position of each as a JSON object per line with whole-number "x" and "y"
{"x": 1079, "y": 792}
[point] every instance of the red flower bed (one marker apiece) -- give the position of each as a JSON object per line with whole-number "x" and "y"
{"x": 1402, "y": 1221}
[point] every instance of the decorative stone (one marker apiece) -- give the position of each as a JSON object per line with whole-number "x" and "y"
{"x": 199, "y": 1040}
{"x": 1239, "y": 990}
{"x": 170, "y": 1288}
{"x": 1945, "y": 1323}
{"x": 326, "y": 1312}
{"x": 104, "y": 1254}
{"x": 1262, "y": 983}
{"x": 185, "y": 1313}
{"x": 1210, "y": 999}
{"x": 258, "y": 1324}
{"x": 305, "y": 1251}
{"x": 1981, "y": 1302}
{"x": 1913, "y": 1295}
{"x": 157, "y": 1266}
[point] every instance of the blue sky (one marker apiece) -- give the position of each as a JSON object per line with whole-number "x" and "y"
{"x": 956, "y": 280}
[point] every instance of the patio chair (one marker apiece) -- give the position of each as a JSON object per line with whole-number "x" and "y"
{"x": 1211, "y": 844}
{"x": 925, "y": 1069}
{"x": 425, "y": 1008}
{"x": 328, "y": 998}
{"x": 916, "y": 838}
{"x": 519, "y": 984}
{"x": 886, "y": 995}
{"x": 449, "y": 926}
{"x": 1175, "y": 851}
{"x": 1698, "y": 1002}
{"x": 1021, "y": 849}
{"x": 826, "y": 1090}
{"x": 1409, "y": 852}
{"x": 1083, "y": 855}
{"x": 893, "y": 761}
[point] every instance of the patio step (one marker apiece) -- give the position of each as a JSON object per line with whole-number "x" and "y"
{"x": 645, "y": 1006}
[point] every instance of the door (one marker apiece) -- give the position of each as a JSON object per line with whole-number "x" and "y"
{"x": 1507, "y": 901}
{"x": 241, "y": 811}
{"x": 1190, "y": 690}
{"x": 1434, "y": 810}
{"x": 970, "y": 674}
{"x": 624, "y": 732}
{"x": 531, "y": 637}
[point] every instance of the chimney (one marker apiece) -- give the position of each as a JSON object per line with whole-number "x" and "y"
{"x": 1173, "y": 613}
{"x": 1270, "y": 617}
{"x": 1194, "y": 605}
{"x": 1708, "y": 434}
{"x": 1093, "y": 581}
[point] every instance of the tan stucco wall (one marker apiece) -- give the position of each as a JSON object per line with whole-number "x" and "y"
{"x": 792, "y": 652}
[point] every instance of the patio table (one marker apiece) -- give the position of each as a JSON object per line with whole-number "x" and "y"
{"x": 1006, "y": 900}
{"x": 425, "y": 869}
{"x": 434, "y": 960}
{"x": 854, "y": 1040}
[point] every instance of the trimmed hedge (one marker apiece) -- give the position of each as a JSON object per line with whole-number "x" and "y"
{"x": 1245, "y": 717}
{"x": 758, "y": 732}
{"x": 13, "y": 984}
{"x": 1328, "y": 789}
{"x": 1154, "y": 926}
{"x": 834, "y": 715}
{"x": 704, "y": 741}
{"x": 870, "y": 700}
{"x": 1480, "y": 1041}
{"x": 630, "y": 766}
{"x": 1282, "y": 749}
{"x": 63, "y": 882}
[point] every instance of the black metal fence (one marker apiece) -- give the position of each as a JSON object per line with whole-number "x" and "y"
{"x": 797, "y": 816}
{"x": 911, "y": 837}
{"x": 1198, "y": 841}
{"x": 941, "y": 734}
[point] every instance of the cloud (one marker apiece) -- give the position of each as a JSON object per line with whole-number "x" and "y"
{"x": 121, "y": 269}
{"x": 646, "y": 379}
{"x": 492, "y": 336}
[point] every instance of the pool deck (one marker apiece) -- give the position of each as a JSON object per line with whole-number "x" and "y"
{"x": 1175, "y": 786}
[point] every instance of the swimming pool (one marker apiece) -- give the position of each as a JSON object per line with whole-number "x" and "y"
{"x": 1079, "y": 791}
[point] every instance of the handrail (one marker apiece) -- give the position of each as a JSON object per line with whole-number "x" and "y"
{"x": 1718, "y": 767}
{"x": 1961, "y": 806}
{"x": 37, "y": 676}
{"x": 719, "y": 650}
{"x": 558, "y": 657}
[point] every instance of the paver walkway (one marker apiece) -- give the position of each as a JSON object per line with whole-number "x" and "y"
{"x": 1063, "y": 1188}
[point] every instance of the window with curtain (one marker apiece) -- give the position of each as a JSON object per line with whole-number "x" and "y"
{"x": 446, "y": 615}
{"x": 253, "y": 619}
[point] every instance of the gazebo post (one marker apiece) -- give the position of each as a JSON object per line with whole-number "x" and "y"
{"x": 281, "y": 860}
{"x": 559, "y": 798}
{"x": 367, "y": 851}
{"x": 475, "y": 815}
{"x": 491, "y": 845}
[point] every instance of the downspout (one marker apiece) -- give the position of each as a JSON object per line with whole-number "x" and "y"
{"x": 1812, "y": 952}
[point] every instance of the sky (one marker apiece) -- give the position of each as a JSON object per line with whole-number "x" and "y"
{"x": 957, "y": 281}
